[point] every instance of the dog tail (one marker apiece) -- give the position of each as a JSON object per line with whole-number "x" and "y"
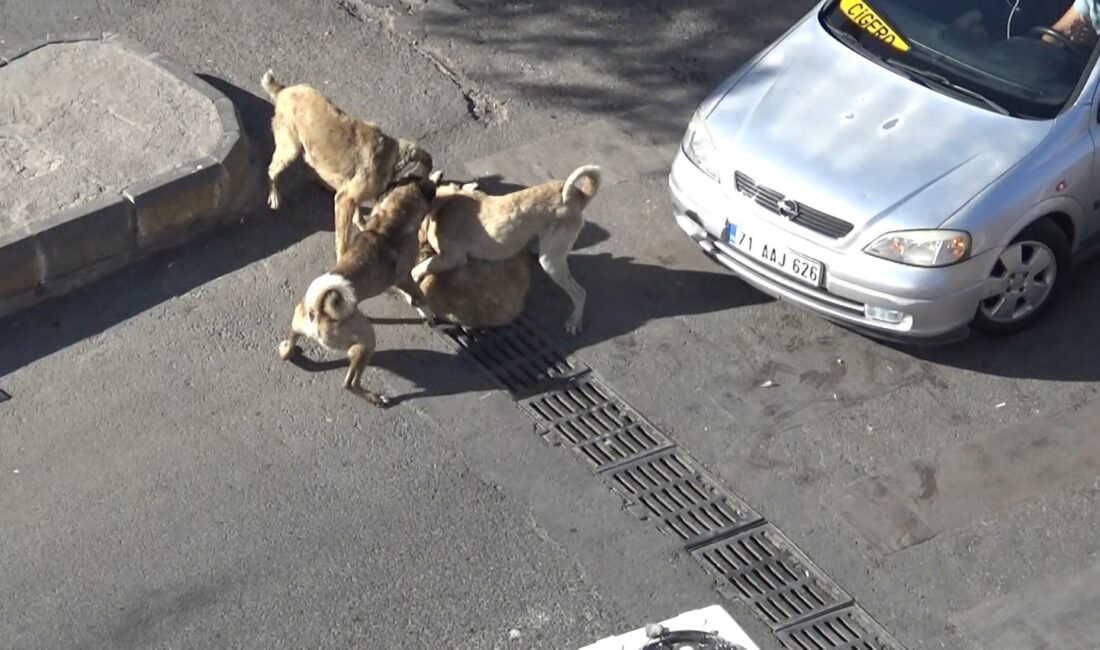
{"x": 272, "y": 87}
{"x": 590, "y": 174}
{"x": 331, "y": 295}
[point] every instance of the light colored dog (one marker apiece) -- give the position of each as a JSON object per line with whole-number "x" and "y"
{"x": 353, "y": 157}
{"x": 478, "y": 294}
{"x": 466, "y": 223}
{"x": 379, "y": 257}
{"x": 353, "y": 335}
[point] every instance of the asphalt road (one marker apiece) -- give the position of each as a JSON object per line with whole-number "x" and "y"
{"x": 167, "y": 482}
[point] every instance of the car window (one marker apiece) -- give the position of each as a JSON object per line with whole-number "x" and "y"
{"x": 981, "y": 48}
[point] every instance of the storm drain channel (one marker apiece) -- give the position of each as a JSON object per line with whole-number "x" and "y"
{"x": 4, "y": 397}
{"x": 750, "y": 560}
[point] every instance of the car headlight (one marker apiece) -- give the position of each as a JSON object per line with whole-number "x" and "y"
{"x": 922, "y": 247}
{"x": 699, "y": 148}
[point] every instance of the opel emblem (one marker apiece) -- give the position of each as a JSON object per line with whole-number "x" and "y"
{"x": 787, "y": 208}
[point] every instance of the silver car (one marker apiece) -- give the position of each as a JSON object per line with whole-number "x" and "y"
{"x": 899, "y": 172}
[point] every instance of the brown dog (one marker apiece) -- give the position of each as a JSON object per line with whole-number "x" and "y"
{"x": 467, "y": 223}
{"x": 479, "y": 294}
{"x": 351, "y": 156}
{"x": 353, "y": 335}
{"x": 378, "y": 258}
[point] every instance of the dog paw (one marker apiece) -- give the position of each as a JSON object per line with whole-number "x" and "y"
{"x": 573, "y": 326}
{"x": 375, "y": 399}
{"x": 436, "y": 176}
{"x": 273, "y": 201}
{"x": 286, "y": 350}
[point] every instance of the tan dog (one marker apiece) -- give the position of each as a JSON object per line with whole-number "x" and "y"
{"x": 353, "y": 335}
{"x": 467, "y": 223}
{"x": 479, "y": 294}
{"x": 351, "y": 156}
{"x": 379, "y": 257}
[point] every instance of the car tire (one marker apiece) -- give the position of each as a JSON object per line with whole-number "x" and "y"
{"x": 1026, "y": 280}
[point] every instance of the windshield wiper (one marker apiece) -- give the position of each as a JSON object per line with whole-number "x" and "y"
{"x": 927, "y": 76}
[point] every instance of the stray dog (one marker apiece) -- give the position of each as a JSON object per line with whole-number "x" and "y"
{"x": 351, "y": 156}
{"x": 379, "y": 257}
{"x": 353, "y": 335}
{"x": 479, "y": 294}
{"x": 467, "y": 223}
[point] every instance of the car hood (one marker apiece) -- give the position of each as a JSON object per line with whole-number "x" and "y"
{"x": 823, "y": 125}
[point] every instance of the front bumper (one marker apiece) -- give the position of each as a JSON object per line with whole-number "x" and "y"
{"x": 938, "y": 303}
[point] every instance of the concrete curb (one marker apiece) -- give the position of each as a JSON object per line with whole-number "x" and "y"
{"x": 75, "y": 247}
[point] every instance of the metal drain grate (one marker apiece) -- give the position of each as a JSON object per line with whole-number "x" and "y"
{"x": 848, "y": 629}
{"x": 559, "y": 406}
{"x": 603, "y": 430}
{"x": 518, "y": 355}
{"x": 680, "y": 498}
{"x": 751, "y": 560}
{"x": 762, "y": 568}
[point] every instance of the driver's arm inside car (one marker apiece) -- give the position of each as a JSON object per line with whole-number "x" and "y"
{"x": 1079, "y": 22}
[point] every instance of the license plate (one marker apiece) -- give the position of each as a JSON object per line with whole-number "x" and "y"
{"x": 797, "y": 266}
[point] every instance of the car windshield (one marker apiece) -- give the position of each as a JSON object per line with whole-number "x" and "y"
{"x": 1005, "y": 55}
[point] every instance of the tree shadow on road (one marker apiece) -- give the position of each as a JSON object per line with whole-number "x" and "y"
{"x": 63, "y": 321}
{"x": 648, "y": 59}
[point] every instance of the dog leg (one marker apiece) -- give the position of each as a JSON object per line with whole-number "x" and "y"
{"x": 287, "y": 347}
{"x": 358, "y": 219}
{"x": 408, "y": 289}
{"x": 344, "y": 210}
{"x": 349, "y": 198}
{"x": 554, "y": 245}
{"x": 437, "y": 264}
{"x": 415, "y": 297}
{"x": 287, "y": 150}
{"x": 558, "y": 270}
{"x": 362, "y": 187}
{"x": 359, "y": 356}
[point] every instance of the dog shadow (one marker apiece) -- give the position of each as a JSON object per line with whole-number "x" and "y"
{"x": 426, "y": 370}
{"x": 624, "y": 294}
{"x": 62, "y": 321}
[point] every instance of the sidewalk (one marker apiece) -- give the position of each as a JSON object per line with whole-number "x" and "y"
{"x": 111, "y": 152}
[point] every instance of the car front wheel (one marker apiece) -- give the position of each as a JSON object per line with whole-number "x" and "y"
{"x": 1026, "y": 279}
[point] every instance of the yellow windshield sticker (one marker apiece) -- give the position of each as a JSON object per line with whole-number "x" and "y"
{"x": 864, "y": 16}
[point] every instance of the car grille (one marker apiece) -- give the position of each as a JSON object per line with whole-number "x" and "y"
{"x": 807, "y": 217}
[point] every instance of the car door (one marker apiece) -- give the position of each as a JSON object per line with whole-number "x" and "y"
{"x": 1089, "y": 228}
